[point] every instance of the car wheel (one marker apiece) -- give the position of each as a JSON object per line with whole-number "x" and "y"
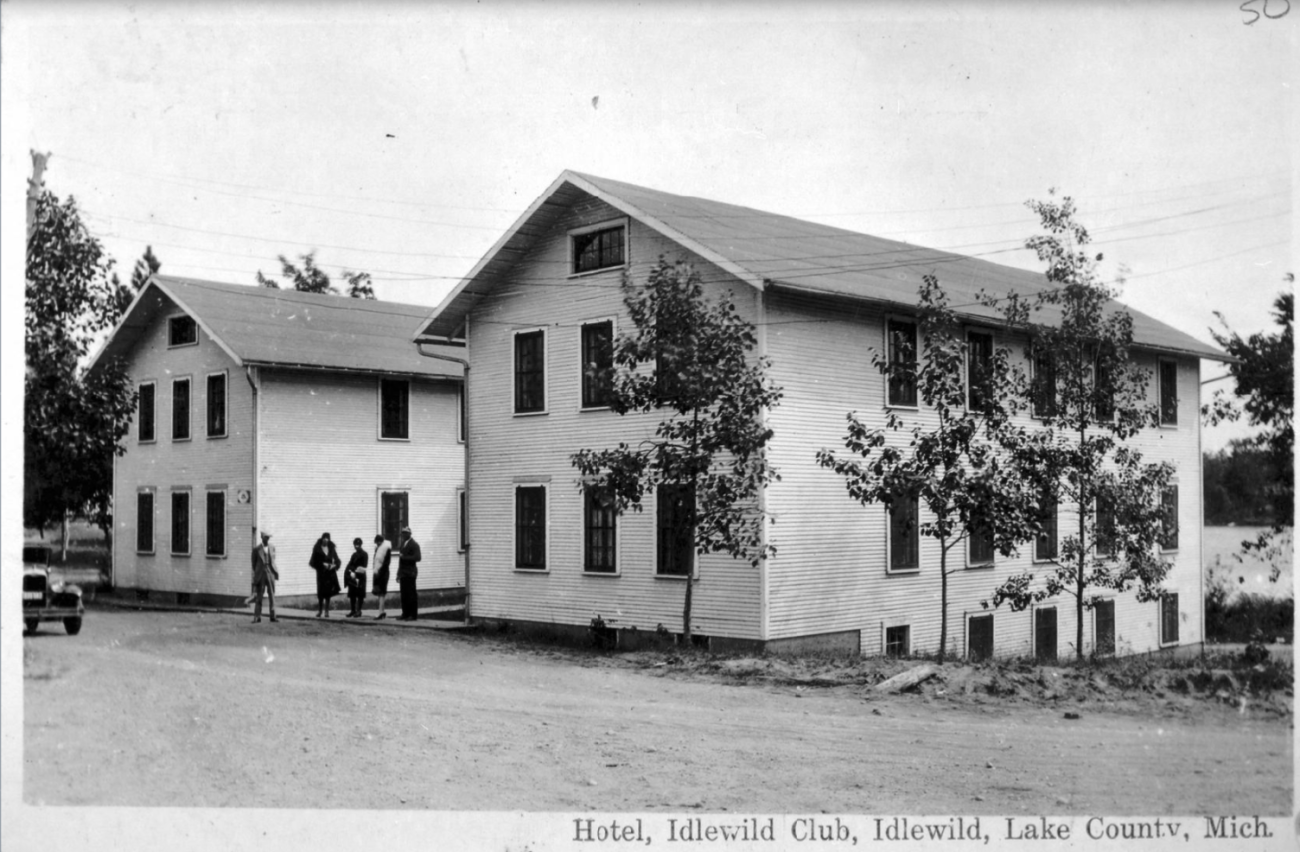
{"x": 31, "y": 624}
{"x": 72, "y": 625}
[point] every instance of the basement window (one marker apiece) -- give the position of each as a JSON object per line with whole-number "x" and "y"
{"x": 898, "y": 641}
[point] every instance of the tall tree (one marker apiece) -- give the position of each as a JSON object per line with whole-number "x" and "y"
{"x": 147, "y": 265}
{"x": 1264, "y": 375}
{"x": 310, "y": 278}
{"x": 951, "y": 465}
{"x": 359, "y": 286}
{"x": 705, "y": 461}
{"x": 1090, "y": 398}
{"x": 74, "y": 422}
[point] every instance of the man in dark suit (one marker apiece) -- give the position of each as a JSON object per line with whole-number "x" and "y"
{"x": 264, "y": 576}
{"x": 408, "y": 554}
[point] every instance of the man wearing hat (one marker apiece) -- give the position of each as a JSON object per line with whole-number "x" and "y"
{"x": 408, "y": 553}
{"x": 264, "y": 576}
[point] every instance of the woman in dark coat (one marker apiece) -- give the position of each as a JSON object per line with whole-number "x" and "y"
{"x": 325, "y": 560}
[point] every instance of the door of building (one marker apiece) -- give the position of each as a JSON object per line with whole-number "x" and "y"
{"x": 1045, "y": 635}
{"x": 1104, "y": 628}
{"x": 979, "y": 637}
{"x": 394, "y": 513}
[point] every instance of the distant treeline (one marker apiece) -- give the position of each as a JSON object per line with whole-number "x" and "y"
{"x": 1237, "y": 486}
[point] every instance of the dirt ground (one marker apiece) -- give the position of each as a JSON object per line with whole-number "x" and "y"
{"x": 195, "y": 709}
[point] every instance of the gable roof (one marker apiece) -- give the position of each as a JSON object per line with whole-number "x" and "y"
{"x": 286, "y": 328}
{"x": 768, "y": 250}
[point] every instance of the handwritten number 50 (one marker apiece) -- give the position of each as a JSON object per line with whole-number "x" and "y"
{"x": 1264, "y": 3}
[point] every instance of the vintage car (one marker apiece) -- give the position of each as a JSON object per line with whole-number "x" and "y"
{"x": 45, "y": 599}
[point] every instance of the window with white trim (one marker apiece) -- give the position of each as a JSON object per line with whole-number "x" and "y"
{"x": 904, "y": 534}
{"x": 462, "y": 520}
{"x": 1169, "y": 518}
{"x": 1105, "y": 534}
{"x": 597, "y": 362}
{"x": 180, "y": 523}
{"x": 1043, "y": 385}
{"x": 1045, "y": 548}
{"x": 979, "y": 370}
{"x": 215, "y": 515}
{"x": 144, "y": 521}
{"x": 146, "y": 415}
{"x": 462, "y": 426}
{"x": 1103, "y": 392}
{"x": 395, "y": 409}
{"x": 530, "y": 527}
{"x": 182, "y": 331}
{"x": 599, "y": 522}
{"x": 1168, "y": 387}
{"x": 901, "y": 349}
{"x": 898, "y": 640}
{"x": 180, "y": 409}
{"x": 1169, "y": 618}
{"x": 675, "y": 531}
{"x": 530, "y": 371}
{"x": 980, "y": 544}
{"x": 598, "y": 247}
{"x": 217, "y": 405}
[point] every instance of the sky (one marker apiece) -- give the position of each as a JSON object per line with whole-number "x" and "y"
{"x": 403, "y": 140}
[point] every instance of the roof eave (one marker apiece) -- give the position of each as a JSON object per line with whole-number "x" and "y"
{"x": 151, "y": 282}
{"x": 330, "y": 368}
{"x": 1208, "y": 354}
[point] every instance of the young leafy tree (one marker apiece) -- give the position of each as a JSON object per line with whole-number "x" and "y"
{"x": 711, "y": 393}
{"x": 310, "y": 278}
{"x": 1090, "y": 398}
{"x": 74, "y": 422}
{"x": 1264, "y": 374}
{"x": 952, "y": 465}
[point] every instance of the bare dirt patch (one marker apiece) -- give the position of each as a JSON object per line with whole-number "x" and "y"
{"x": 185, "y": 709}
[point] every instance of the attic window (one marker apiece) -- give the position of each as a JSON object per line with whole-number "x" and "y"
{"x": 601, "y": 247}
{"x": 182, "y": 331}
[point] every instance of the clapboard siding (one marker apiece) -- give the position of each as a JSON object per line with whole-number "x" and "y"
{"x": 506, "y": 448}
{"x": 829, "y": 573}
{"x": 196, "y": 464}
{"x": 323, "y": 467}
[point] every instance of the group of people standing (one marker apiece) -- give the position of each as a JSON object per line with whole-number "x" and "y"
{"x": 326, "y": 563}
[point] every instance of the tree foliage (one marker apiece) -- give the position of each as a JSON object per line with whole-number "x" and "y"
{"x": 1090, "y": 398}
{"x": 310, "y": 278}
{"x": 690, "y": 360}
{"x": 1238, "y": 485}
{"x": 1264, "y": 374}
{"x": 147, "y": 265}
{"x": 74, "y": 421}
{"x": 952, "y": 463}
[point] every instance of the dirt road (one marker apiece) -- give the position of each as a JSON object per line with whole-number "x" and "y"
{"x": 186, "y": 709}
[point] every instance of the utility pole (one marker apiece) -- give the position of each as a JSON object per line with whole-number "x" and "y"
{"x": 35, "y": 184}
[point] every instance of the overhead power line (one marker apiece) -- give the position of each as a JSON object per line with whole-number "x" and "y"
{"x": 856, "y": 256}
{"x": 181, "y": 179}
